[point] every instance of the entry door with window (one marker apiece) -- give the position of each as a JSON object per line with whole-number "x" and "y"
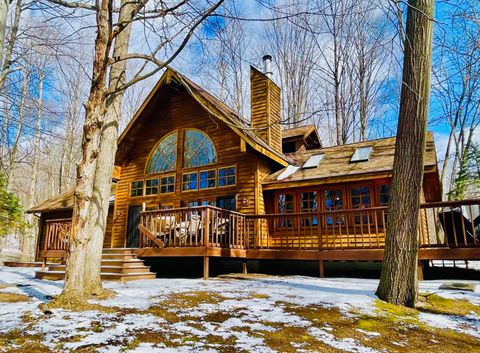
{"x": 132, "y": 225}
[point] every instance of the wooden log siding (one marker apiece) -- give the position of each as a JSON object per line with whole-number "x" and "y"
{"x": 179, "y": 112}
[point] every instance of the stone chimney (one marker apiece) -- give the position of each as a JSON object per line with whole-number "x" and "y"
{"x": 265, "y": 105}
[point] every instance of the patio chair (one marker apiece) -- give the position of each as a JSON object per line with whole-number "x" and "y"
{"x": 456, "y": 225}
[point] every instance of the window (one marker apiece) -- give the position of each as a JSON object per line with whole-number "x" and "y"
{"x": 226, "y": 176}
{"x": 198, "y": 149}
{"x": 192, "y": 204}
{"x": 360, "y": 198}
{"x": 164, "y": 157}
{"x": 136, "y": 188}
{"x": 151, "y": 186}
{"x": 209, "y": 202}
{"x": 285, "y": 205}
{"x": 308, "y": 204}
{"x": 167, "y": 184}
{"x": 334, "y": 201}
{"x": 190, "y": 181}
{"x": 383, "y": 194}
{"x": 208, "y": 179}
{"x": 227, "y": 202}
{"x": 289, "y": 147}
{"x": 313, "y": 161}
{"x": 361, "y": 154}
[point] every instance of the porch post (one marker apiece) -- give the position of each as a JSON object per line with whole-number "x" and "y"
{"x": 244, "y": 267}
{"x": 205, "y": 267}
{"x": 420, "y": 271}
{"x": 321, "y": 268}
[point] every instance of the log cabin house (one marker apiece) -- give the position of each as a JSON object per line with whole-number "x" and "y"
{"x": 193, "y": 178}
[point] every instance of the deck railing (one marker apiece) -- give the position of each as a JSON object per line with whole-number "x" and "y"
{"x": 207, "y": 226}
{"x": 339, "y": 229}
{"x": 57, "y": 234}
{"x": 453, "y": 224}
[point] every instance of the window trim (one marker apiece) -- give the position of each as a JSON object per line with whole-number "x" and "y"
{"x": 152, "y": 151}
{"x": 190, "y": 190}
{"x": 218, "y": 176}
{"x": 160, "y": 184}
{"x": 215, "y": 178}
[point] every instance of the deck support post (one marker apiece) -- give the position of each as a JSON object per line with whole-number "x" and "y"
{"x": 420, "y": 271}
{"x": 244, "y": 267}
{"x": 205, "y": 267}
{"x": 321, "y": 268}
{"x": 44, "y": 263}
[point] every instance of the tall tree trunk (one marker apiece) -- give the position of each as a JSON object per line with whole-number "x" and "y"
{"x": 3, "y": 23}
{"x": 7, "y": 58}
{"x": 29, "y": 236}
{"x": 108, "y": 148}
{"x": 398, "y": 281}
{"x": 18, "y": 134}
{"x": 77, "y": 288}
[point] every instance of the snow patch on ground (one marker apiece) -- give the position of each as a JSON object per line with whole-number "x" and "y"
{"x": 255, "y": 305}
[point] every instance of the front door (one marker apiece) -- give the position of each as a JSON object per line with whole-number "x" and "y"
{"x": 132, "y": 225}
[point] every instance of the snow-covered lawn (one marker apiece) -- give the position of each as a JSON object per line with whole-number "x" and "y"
{"x": 259, "y": 314}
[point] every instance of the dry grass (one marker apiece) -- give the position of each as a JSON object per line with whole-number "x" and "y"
{"x": 433, "y": 303}
{"x": 399, "y": 330}
{"x": 6, "y": 297}
{"x": 18, "y": 341}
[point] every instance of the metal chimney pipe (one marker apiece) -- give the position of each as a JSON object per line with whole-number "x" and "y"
{"x": 267, "y": 66}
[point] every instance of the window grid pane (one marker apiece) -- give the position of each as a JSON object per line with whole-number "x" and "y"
{"x": 198, "y": 149}
{"x": 151, "y": 186}
{"x": 383, "y": 194}
{"x": 308, "y": 205}
{"x": 167, "y": 184}
{"x": 190, "y": 181}
{"x": 360, "y": 197}
{"x": 334, "y": 201}
{"x": 226, "y": 176}
{"x": 136, "y": 188}
{"x": 164, "y": 158}
{"x": 208, "y": 179}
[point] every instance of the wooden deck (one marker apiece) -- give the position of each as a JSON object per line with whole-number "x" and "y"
{"x": 447, "y": 231}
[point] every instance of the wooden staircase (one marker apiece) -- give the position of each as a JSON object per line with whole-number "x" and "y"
{"x": 118, "y": 264}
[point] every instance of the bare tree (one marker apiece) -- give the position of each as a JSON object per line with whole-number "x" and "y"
{"x": 100, "y": 132}
{"x": 457, "y": 86}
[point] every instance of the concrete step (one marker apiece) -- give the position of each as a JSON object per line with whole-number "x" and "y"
{"x": 60, "y": 275}
{"x": 109, "y": 269}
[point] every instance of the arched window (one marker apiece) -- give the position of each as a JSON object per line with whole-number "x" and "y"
{"x": 164, "y": 157}
{"x": 198, "y": 149}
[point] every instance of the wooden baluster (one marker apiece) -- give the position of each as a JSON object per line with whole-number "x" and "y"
{"x": 463, "y": 228}
{"x": 472, "y": 224}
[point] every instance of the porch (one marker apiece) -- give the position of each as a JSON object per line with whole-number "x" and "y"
{"x": 447, "y": 231}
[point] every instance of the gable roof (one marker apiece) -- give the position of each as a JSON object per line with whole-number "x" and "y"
{"x": 62, "y": 202}
{"x": 336, "y": 166}
{"x": 299, "y": 131}
{"x": 215, "y": 107}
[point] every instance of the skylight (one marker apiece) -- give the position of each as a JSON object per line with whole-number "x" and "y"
{"x": 313, "y": 161}
{"x": 361, "y": 154}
